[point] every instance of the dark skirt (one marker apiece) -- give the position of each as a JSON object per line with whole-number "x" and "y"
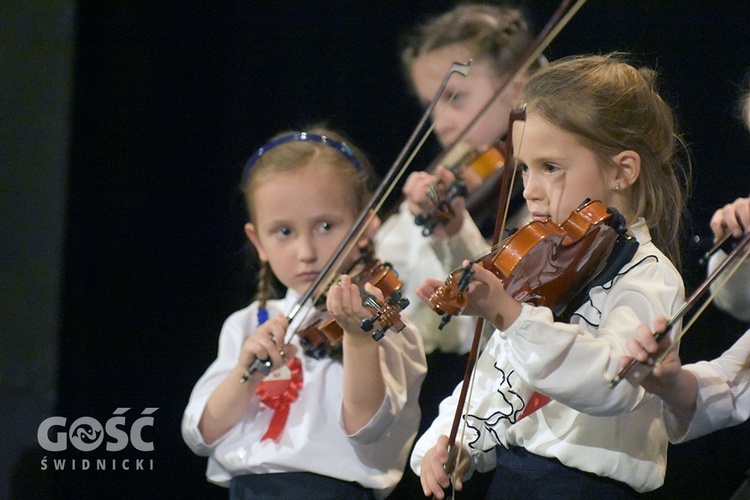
{"x": 295, "y": 485}
{"x": 522, "y": 475}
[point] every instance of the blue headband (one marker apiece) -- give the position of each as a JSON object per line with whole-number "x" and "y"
{"x": 301, "y": 136}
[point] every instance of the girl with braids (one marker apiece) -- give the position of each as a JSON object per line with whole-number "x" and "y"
{"x": 542, "y": 412}
{"x": 314, "y": 427}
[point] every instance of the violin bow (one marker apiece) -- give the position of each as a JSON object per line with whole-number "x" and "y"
{"x": 740, "y": 253}
{"x": 557, "y": 22}
{"x": 331, "y": 268}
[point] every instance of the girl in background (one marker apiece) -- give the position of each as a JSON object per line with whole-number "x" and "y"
{"x": 494, "y": 38}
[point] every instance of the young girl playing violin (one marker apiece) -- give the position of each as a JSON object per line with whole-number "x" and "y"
{"x": 541, "y": 411}
{"x": 314, "y": 427}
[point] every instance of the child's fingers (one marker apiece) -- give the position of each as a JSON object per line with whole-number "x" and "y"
{"x": 636, "y": 351}
{"x": 266, "y": 342}
{"x": 344, "y": 299}
{"x": 372, "y": 289}
{"x": 445, "y": 175}
{"x": 434, "y": 479}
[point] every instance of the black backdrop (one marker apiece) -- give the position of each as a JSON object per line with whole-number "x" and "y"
{"x": 169, "y": 102}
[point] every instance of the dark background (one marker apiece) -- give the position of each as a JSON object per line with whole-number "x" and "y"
{"x": 168, "y": 101}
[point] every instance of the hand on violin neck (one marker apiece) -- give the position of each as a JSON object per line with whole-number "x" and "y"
{"x": 427, "y": 288}
{"x": 423, "y": 193}
{"x": 344, "y": 303}
{"x": 487, "y": 298}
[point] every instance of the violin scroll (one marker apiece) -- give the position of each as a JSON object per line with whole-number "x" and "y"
{"x": 450, "y": 300}
{"x": 387, "y": 316}
{"x": 324, "y": 331}
{"x": 440, "y": 211}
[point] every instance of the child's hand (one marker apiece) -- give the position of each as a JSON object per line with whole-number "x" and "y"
{"x": 486, "y": 297}
{"x": 733, "y": 218}
{"x": 415, "y": 191}
{"x": 433, "y": 477}
{"x": 486, "y": 294}
{"x": 344, "y": 303}
{"x": 267, "y": 342}
{"x": 426, "y": 289}
{"x": 643, "y": 347}
{"x": 677, "y": 387}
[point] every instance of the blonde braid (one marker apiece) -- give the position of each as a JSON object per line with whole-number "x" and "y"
{"x": 267, "y": 289}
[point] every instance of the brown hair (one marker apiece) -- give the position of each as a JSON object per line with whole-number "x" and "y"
{"x": 289, "y": 156}
{"x": 612, "y": 106}
{"x": 498, "y": 35}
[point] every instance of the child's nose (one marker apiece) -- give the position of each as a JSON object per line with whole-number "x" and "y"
{"x": 531, "y": 187}
{"x": 307, "y": 251}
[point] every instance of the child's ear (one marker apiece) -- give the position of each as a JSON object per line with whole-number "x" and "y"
{"x": 628, "y": 168}
{"x": 252, "y": 235}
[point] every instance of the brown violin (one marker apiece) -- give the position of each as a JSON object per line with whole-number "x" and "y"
{"x": 546, "y": 264}
{"x": 321, "y": 333}
{"x": 323, "y": 330}
{"x": 470, "y": 166}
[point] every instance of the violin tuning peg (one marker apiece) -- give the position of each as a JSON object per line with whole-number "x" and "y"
{"x": 379, "y": 334}
{"x": 368, "y": 324}
{"x": 457, "y": 189}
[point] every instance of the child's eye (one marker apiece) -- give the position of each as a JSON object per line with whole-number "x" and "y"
{"x": 326, "y": 226}
{"x": 283, "y": 231}
{"x": 551, "y": 168}
{"x": 522, "y": 167}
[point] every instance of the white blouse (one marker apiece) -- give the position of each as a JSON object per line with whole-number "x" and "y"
{"x": 617, "y": 433}
{"x": 314, "y": 439}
